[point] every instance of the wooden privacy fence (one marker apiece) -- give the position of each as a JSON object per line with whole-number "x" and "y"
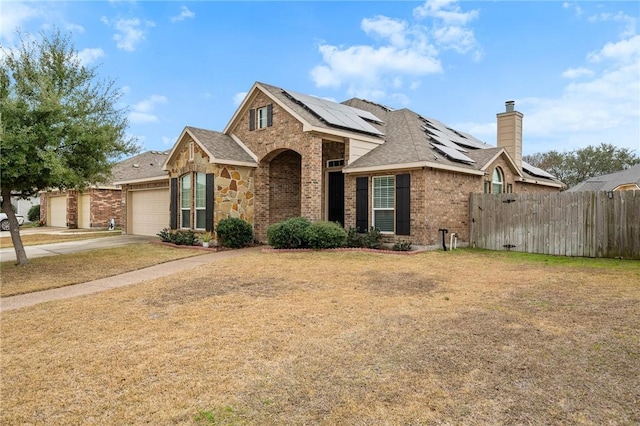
{"x": 587, "y": 224}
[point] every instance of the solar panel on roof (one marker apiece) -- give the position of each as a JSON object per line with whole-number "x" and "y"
{"x": 453, "y": 153}
{"x": 442, "y": 140}
{"x": 536, "y": 171}
{"x": 337, "y": 114}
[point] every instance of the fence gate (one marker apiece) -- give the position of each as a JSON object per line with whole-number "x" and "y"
{"x": 588, "y": 224}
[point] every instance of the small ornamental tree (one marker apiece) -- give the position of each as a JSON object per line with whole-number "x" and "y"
{"x": 60, "y": 125}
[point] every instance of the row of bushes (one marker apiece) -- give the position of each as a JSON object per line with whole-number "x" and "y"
{"x": 299, "y": 232}
{"x": 232, "y": 232}
{"x": 296, "y": 232}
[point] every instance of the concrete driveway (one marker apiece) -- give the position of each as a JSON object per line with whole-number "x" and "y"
{"x": 9, "y": 254}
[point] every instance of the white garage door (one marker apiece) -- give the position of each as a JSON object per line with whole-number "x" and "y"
{"x": 58, "y": 211}
{"x": 149, "y": 211}
{"x": 84, "y": 215}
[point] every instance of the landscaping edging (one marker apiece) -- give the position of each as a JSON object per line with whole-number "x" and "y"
{"x": 345, "y": 249}
{"x": 182, "y": 246}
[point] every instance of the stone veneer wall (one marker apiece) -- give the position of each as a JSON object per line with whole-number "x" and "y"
{"x": 234, "y": 193}
{"x": 285, "y": 134}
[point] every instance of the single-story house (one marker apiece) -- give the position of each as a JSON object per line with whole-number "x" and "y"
{"x": 285, "y": 154}
{"x": 624, "y": 180}
{"x": 95, "y": 206}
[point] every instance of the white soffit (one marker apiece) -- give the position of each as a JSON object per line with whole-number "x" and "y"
{"x": 338, "y": 114}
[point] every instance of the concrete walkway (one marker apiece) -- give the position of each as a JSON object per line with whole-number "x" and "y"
{"x": 128, "y": 278}
{"x": 8, "y": 254}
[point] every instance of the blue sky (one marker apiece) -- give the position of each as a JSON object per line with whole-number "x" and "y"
{"x": 573, "y": 68}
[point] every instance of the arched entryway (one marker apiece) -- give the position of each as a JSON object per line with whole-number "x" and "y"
{"x": 285, "y": 172}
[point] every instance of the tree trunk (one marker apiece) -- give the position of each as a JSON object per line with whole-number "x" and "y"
{"x": 14, "y": 228}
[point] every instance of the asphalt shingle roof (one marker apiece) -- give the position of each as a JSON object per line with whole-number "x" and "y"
{"x": 142, "y": 166}
{"x": 610, "y": 181}
{"x": 221, "y": 146}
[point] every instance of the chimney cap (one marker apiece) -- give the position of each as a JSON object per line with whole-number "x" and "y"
{"x": 510, "y": 106}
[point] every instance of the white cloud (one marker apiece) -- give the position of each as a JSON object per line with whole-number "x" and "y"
{"x": 577, "y": 72}
{"x": 624, "y": 51}
{"x": 166, "y": 141}
{"x": 14, "y": 15}
{"x": 131, "y": 33}
{"x": 184, "y": 14}
{"x": 142, "y": 111}
{"x": 89, "y": 56}
{"x": 401, "y": 49}
{"x": 577, "y": 9}
{"x": 630, "y": 22}
{"x": 239, "y": 97}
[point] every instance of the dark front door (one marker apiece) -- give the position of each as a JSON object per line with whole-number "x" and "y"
{"x": 336, "y": 197}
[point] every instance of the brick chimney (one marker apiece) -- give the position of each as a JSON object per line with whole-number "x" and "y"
{"x": 510, "y": 132}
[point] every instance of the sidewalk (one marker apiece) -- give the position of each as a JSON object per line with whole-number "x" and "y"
{"x": 128, "y": 278}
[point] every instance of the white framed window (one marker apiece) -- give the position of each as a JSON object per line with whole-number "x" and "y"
{"x": 185, "y": 201}
{"x": 384, "y": 203}
{"x": 262, "y": 117}
{"x": 497, "y": 181}
{"x": 200, "y": 200}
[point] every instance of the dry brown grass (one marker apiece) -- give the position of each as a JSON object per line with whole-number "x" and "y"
{"x": 337, "y": 338}
{"x": 37, "y": 239}
{"x": 43, "y": 273}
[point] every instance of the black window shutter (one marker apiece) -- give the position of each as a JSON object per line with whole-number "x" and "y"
{"x": 362, "y": 204}
{"x": 403, "y": 204}
{"x": 209, "y": 203}
{"x": 269, "y": 115}
{"x": 252, "y": 119}
{"x": 173, "y": 205}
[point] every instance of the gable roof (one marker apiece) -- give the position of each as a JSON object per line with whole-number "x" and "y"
{"x": 610, "y": 182}
{"x": 142, "y": 167}
{"x": 219, "y": 147}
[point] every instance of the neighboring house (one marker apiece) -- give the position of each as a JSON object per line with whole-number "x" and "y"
{"x": 284, "y": 154}
{"x": 95, "y": 206}
{"x": 625, "y": 180}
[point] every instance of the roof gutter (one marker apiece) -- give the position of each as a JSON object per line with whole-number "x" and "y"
{"x": 415, "y": 165}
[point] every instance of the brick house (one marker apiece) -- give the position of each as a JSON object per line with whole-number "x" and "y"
{"x": 285, "y": 154}
{"x": 95, "y": 206}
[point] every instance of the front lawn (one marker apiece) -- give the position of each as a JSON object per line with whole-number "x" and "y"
{"x": 463, "y": 337}
{"x": 43, "y": 273}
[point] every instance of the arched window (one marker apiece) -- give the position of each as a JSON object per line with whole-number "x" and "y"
{"x": 497, "y": 181}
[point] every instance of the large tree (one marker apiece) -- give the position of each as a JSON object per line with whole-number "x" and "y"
{"x": 578, "y": 165}
{"x": 60, "y": 124}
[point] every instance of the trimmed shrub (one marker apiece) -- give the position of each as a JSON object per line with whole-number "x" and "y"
{"x": 234, "y": 233}
{"x": 34, "y": 213}
{"x": 354, "y": 238}
{"x": 372, "y": 239}
{"x": 288, "y": 233}
{"x": 180, "y": 238}
{"x": 319, "y": 235}
{"x": 402, "y": 245}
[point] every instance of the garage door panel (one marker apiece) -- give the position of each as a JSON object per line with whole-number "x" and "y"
{"x": 58, "y": 211}
{"x": 149, "y": 211}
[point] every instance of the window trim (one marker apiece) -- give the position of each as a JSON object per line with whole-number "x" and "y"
{"x": 391, "y": 202}
{"x": 497, "y": 172}
{"x": 183, "y": 178}
{"x": 262, "y": 117}
{"x": 196, "y": 209}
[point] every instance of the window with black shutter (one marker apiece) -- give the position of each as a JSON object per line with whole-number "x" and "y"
{"x": 209, "y": 203}
{"x": 173, "y": 205}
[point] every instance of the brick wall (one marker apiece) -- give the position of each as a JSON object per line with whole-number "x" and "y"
{"x": 268, "y": 144}
{"x": 105, "y": 204}
{"x": 284, "y": 186}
